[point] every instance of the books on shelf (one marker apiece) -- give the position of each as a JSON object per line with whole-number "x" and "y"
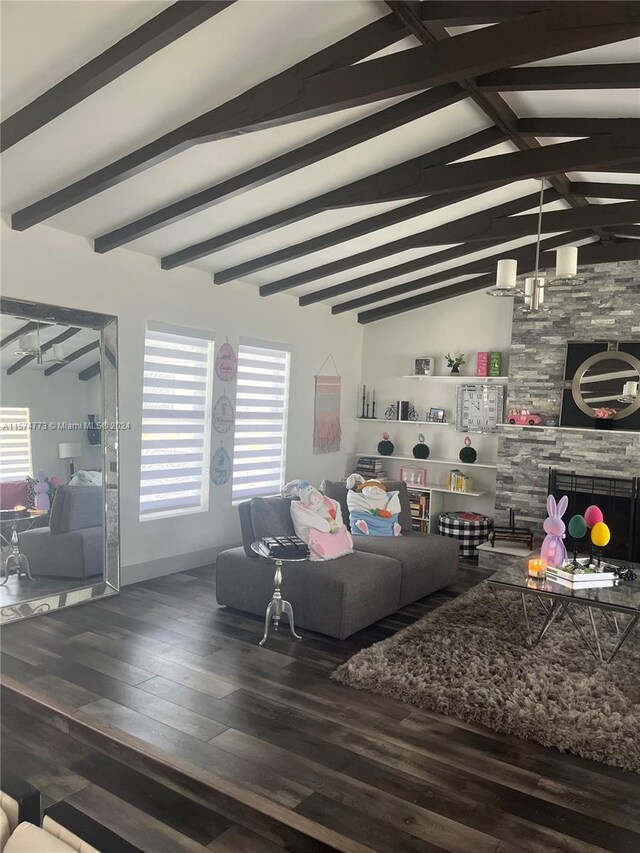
{"x": 459, "y": 481}
{"x": 370, "y": 466}
{"x": 419, "y": 507}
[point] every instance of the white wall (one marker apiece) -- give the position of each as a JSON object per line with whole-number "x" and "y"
{"x": 59, "y": 398}
{"x": 467, "y": 324}
{"x": 47, "y": 265}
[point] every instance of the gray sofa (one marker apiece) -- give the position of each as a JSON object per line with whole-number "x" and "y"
{"x": 72, "y": 545}
{"x": 336, "y": 597}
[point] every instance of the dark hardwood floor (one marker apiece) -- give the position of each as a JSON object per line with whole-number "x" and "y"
{"x": 344, "y": 770}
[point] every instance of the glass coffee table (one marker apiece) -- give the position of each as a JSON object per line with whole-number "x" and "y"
{"x": 617, "y": 607}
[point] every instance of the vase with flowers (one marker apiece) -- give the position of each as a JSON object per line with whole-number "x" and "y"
{"x": 604, "y": 418}
{"x": 455, "y": 363}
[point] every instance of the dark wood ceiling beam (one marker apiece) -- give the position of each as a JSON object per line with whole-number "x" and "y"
{"x": 373, "y": 187}
{"x": 262, "y": 98}
{"x": 468, "y": 12}
{"x": 589, "y": 255}
{"x": 89, "y": 372}
{"x": 625, "y": 230}
{"x": 491, "y": 103}
{"x": 59, "y": 339}
{"x": 294, "y": 94}
{"x": 597, "y": 189}
{"x": 403, "y": 175}
{"x": 23, "y": 330}
{"x": 545, "y": 77}
{"x": 76, "y": 354}
{"x": 419, "y": 177}
{"x": 134, "y": 48}
{"x": 333, "y": 143}
{"x": 536, "y": 126}
{"x": 525, "y": 256}
{"x": 376, "y": 253}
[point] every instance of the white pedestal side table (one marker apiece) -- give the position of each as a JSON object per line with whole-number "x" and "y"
{"x": 277, "y": 606}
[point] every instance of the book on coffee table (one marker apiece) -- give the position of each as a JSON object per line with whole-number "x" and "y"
{"x": 581, "y": 579}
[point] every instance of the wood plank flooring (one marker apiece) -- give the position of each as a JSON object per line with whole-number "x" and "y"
{"x": 163, "y": 664}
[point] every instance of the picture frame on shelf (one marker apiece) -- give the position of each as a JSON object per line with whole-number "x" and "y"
{"x": 437, "y": 415}
{"x": 423, "y": 365}
{"x": 414, "y": 476}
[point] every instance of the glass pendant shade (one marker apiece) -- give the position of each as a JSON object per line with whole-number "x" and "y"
{"x": 27, "y": 345}
{"x": 506, "y": 273}
{"x": 567, "y": 265}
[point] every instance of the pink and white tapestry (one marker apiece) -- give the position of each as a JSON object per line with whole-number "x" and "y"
{"x": 327, "y": 430}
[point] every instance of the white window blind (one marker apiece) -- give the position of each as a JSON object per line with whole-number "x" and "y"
{"x": 176, "y": 422}
{"x": 261, "y": 419}
{"x": 15, "y": 444}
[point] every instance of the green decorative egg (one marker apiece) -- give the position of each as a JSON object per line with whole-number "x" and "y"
{"x": 577, "y": 527}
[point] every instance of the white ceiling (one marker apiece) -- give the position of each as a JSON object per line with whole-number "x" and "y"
{"x": 249, "y": 42}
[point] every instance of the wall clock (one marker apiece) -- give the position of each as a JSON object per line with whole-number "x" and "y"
{"x": 479, "y": 408}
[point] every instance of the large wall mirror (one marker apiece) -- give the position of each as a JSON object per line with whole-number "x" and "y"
{"x": 59, "y": 521}
{"x": 602, "y": 378}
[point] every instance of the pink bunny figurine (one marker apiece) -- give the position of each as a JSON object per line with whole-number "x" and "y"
{"x": 553, "y": 550}
{"x": 42, "y": 493}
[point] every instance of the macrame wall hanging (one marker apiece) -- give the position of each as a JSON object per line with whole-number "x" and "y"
{"x": 326, "y": 429}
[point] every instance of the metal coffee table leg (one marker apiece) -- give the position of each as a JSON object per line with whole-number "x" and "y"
{"x": 277, "y": 606}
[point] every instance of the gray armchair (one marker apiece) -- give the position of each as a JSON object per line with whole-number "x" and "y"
{"x": 72, "y": 545}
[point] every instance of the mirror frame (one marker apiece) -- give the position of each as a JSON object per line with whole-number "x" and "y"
{"x": 107, "y": 325}
{"x": 587, "y": 364}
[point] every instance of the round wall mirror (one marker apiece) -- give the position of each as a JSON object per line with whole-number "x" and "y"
{"x": 608, "y": 380}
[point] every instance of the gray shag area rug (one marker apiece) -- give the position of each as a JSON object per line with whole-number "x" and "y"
{"x": 465, "y": 660}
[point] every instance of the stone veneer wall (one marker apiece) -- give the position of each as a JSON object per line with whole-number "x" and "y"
{"x": 606, "y": 307}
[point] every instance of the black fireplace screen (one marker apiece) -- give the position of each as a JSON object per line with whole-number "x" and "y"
{"x": 617, "y": 497}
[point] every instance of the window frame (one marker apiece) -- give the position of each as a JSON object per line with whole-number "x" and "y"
{"x": 281, "y": 348}
{"x": 206, "y": 336}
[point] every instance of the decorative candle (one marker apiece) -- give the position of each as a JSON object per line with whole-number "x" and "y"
{"x": 507, "y": 271}
{"x": 566, "y": 261}
{"x": 373, "y": 398}
{"x": 537, "y": 568}
{"x": 367, "y": 398}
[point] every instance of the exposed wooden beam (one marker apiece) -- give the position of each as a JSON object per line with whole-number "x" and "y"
{"x": 525, "y": 256}
{"x": 589, "y": 255}
{"x": 467, "y": 12}
{"x": 541, "y": 126}
{"x": 134, "y": 48}
{"x": 295, "y": 94}
{"x": 76, "y": 354}
{"x": 89, "y": 372}
{"x": 59, "y": 339}
{"x": 23, "y": 330}
{"x": 596, "y": 189}
{"x": 420, "y": 177}
{"x": 339, "y": 140}
{"x": 544, "y": 77}
{"x": 376, "y": 253}
{"x": 491, "y": 103}
{"x": 401, "y": 175}
{"x": 625, "y": 230}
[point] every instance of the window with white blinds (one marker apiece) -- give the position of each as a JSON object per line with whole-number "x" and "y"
{"x": 176, "y": 422}
{"x": 15, "y": 444}
{"x": 262, "y": 399}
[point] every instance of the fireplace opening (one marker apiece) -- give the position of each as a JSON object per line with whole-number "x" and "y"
{"x": 617, "y": 497}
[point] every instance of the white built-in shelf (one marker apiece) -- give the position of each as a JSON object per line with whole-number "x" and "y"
{"x": 415, "y": 423}
{"x": 455, "y": 462}
{"x": 443, "y": 488}
{"x": 457, "y": 377}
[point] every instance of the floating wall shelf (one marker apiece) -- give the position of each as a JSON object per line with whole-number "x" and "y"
{"x": 429, "y": 461}
{"x": 475, "y": 380}
{"x": 415, "y": 423}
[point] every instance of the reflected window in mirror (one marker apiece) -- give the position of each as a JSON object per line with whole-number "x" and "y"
{"x": 15, "y": 447}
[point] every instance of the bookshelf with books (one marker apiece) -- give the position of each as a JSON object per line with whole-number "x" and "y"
{"x": 419, "y": 503}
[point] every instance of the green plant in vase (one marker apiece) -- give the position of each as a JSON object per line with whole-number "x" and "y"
{"x": 455, "y": 363}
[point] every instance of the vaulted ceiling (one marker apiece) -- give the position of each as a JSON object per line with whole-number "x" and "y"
{"x": 373, "y": 156}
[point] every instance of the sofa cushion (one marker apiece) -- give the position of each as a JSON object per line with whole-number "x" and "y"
{"x": 13, "y": 493}
{"x": 5, "y": 830}
{"x": 428, "y": 562}
{"x": 336, "y": 597}
{"x": 31, "y": 839}
{"x": 76, "y": 508}
{"x": 271, "y": 517}
{"x": 337, "y": 490}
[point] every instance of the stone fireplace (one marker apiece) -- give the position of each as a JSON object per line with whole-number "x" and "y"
{"x": 606, "y": 307}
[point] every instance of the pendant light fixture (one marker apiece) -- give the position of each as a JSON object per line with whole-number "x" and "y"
{"x": 506, "y": 274}
{"x": 567, "y": 266}
{"x": 29, "y": 345}
{"x": 534, "y": 286}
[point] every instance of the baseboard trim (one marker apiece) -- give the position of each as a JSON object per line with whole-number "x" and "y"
{"x": 170, "y": 565}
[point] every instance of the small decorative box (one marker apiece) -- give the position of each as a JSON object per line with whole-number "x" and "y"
{"x": 495, "y": 364}
{"x": 482, "y": 364}
{"x": 413, "y": 476}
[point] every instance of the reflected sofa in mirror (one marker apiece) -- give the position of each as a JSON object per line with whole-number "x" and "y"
{"x": 59, "y": 522}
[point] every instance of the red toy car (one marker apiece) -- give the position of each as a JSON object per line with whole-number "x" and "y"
{"x": 524, "y": 417}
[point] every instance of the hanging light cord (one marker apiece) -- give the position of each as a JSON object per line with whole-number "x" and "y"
{"x": 539, "y": 234}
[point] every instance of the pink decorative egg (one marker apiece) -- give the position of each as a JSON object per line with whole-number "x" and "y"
{"x": 593, "y": 515}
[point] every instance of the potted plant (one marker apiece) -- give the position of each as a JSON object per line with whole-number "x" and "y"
{"x": 455, "y": 363}
{"x": 604, "y": 417}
